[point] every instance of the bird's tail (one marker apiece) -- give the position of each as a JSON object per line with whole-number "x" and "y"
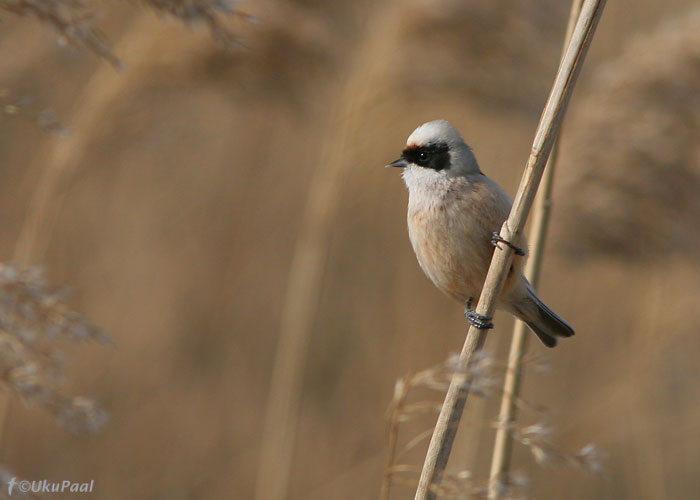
{"x": 546, "y": 324}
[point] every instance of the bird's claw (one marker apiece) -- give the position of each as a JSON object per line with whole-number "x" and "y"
{"x": 496, "y": 239}
{"x": 475, "y": 319}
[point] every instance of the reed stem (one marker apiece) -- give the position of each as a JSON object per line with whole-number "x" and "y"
{"x": 455, "y": 400}
{"x": 502, "y": 449}
{"x": 311, "y": 252}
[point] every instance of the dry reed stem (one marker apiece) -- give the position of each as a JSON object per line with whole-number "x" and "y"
{"x": 450, "y": 415}
{"x": 310, "y": 255}
{"x": 500, "y": 462}
{"x": 436, "y": 378}
{"x": 397, "y": 404}
{"x": 65, "y": 154}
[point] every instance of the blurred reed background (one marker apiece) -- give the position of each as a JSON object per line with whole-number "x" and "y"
{"x": 176, "y": 200}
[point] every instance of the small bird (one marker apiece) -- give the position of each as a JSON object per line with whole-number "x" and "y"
{"x": 454, "y": 213}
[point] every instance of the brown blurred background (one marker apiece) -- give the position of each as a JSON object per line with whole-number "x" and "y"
{"x": 177, "y": 198}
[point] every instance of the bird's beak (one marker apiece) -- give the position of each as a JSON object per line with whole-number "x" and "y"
{"x": 398, "y": 163}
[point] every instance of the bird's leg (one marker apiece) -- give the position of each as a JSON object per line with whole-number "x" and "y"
{"x": 477, "y": 320}
{"x": 496, "y": 239}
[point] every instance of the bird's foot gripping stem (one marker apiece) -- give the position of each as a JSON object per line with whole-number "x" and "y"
{"x": 477, "y": 320}
{"x": 496, "y": 239}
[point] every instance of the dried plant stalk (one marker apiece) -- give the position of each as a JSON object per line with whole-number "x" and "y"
{"x": 436, "y": 378}
{"x": 500, "y": 462}
{"x": 400, "y": 393}
{"x": 450, "y": 415}
{"x": 310, "y": 255}
{"x": 64, "y": 158}
{"x": 65, "y": 154}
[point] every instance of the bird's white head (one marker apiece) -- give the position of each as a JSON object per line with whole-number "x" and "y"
{"x": 435, "y": 151}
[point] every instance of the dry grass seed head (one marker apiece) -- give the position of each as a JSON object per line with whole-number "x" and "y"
{"x": 632, "y": 152}
{"x": 34, "y": 320}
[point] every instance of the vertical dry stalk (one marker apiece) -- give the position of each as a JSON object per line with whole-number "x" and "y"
{"x": 310, "y": 255}
{"x": 400, "y": 393}
{"x": 500, "y": 461}
{"x": 450, "y": 415}
{"x": 64, "y": 156}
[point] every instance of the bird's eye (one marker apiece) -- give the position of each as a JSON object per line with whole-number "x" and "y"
{"x": 422, "y": 156}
